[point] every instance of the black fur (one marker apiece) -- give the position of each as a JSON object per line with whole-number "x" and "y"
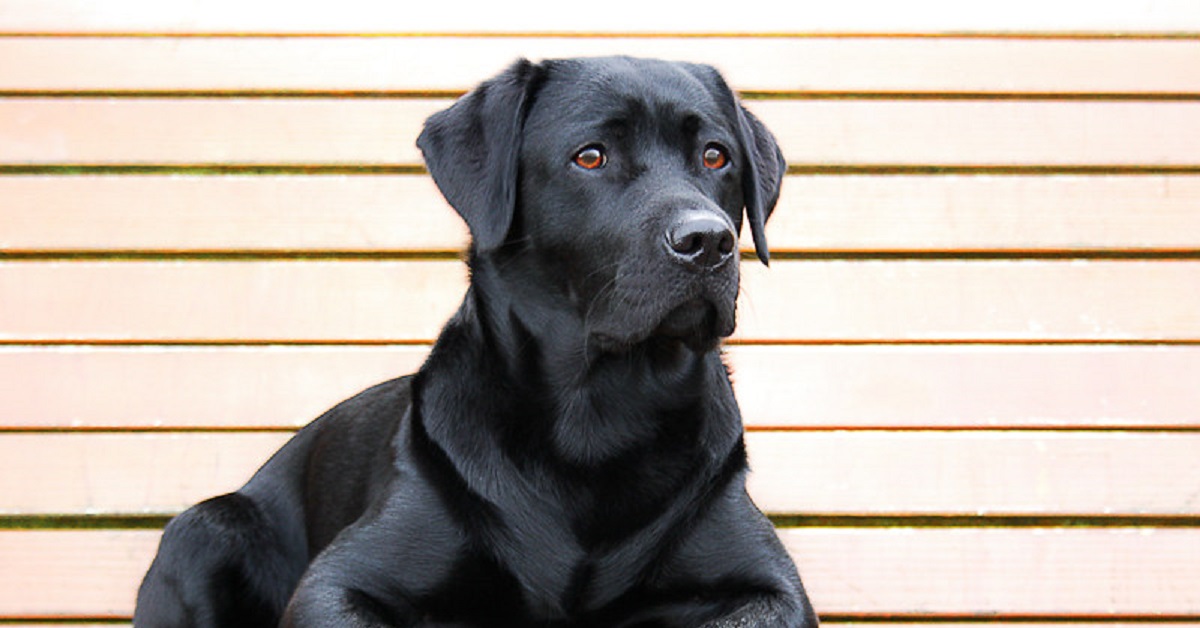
{"x": 570, "y": 454}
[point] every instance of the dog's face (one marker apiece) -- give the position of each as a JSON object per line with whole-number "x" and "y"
{"x": 622, "y": 181}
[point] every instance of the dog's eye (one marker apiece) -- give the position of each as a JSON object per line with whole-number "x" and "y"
{"x": 715, "y": 157}
{"x": 591, "y": 158}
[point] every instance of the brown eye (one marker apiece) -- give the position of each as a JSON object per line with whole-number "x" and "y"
{"x": 591, "y": 158}
{"x": 715, "y": 157}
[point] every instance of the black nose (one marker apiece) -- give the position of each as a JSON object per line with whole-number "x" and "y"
{"x": 701, "y": 242}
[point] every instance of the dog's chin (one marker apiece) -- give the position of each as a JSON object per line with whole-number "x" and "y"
{"x": 697, "y": 324}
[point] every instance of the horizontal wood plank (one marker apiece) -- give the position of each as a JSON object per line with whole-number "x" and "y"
{"x": 836, "y": 621}
{"x": 384, "y": 131}
{"x": 998, "y": 571}
{"x": 873, "y": 623}
{"x": 777, "y": 386}
{"x": 162, "y": 213}
{"x": 825, "y": 301}
{"x": 967, "y": 386}
{"x": 781, "y": 64}
{"x": 238, "y": 213}
{"x": 846, "y": 571}
{"x": 140, "y": 473}
{"x": 839, "y": 622}
{"x": 757, "y": 16}
{"x": 877, "y": 473}
{"x": 977, "y": 472}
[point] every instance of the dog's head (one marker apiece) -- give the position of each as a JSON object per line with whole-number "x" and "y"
{"x": 622, "y": 181}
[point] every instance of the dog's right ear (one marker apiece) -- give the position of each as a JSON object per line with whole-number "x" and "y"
{"x": 472, "y": 151}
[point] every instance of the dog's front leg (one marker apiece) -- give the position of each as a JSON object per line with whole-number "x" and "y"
{"x": 319, "y": 607}
{"x": 769, "y": 612}
{"x": 322, "y": 602}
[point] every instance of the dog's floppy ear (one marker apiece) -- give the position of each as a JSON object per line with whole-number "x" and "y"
{"x": 762, "y": 177}
{"x": 472, "y": 151}
{"x": 764, "y": 167}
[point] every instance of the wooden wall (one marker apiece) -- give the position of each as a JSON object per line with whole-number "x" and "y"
{"x": 971, "y": 374}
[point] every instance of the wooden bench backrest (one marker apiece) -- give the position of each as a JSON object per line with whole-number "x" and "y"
{"x": 971, "y": 375}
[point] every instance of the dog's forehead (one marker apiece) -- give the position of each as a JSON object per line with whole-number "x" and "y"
{"x": 600, "y": 89}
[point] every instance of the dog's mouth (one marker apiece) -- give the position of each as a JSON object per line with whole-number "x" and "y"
{"x": 696, "y": 323}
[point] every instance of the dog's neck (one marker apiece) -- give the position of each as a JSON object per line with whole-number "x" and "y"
{"x": 584, "y": 404}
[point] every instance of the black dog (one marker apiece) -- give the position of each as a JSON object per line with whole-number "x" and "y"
{"x": 571, "y": 452}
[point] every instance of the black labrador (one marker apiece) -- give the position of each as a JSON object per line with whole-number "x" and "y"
{"x": 571, "y": 452}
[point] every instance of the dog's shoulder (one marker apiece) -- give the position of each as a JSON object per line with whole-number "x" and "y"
{"x": 367, "y": 418}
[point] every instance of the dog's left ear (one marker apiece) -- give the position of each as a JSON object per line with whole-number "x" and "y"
{"x": 762, "y": 177}
{"x": 764, "y": 167}
{"x": 472, "y": 151}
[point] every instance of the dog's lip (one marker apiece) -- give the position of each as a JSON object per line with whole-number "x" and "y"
{"x": 697, "y": 322}
{"x": 698, "y": 310}
{"x": 688, "y": 317}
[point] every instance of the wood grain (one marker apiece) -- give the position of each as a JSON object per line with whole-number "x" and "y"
{"x": 827, "y": 301}
{"x": 875, "y": 473}
{"x": 872, "y": 572}
{"x": 783, "y": 387}
{"x": 998, "y": 571}
{"x": 811, "y": 133}
{"x": 757, "y": 16}
{"x": 853, "y": 214}
{"x": 807, "y": 65}
{"x": 836, "y": 621}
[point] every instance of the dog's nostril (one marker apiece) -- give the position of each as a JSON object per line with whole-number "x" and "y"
{"x": 701, "y": 242}
{"x": 725, "y": 246}
{"x": 689, "y": 245}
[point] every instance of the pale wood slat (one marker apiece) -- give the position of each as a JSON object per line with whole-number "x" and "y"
{"x": 785, "y": 387}
{"x": 1003, "y": 213}
{"x": 410, "y": 300}
{"x": 822, "y": 132}
{"x": 406, "y": 212}
{"x": 239, "y": 213}
{"x": 756, "y": 16}
{"x": 846, "y": 571}
{"x": 243, "y": 300}
{"x": 998, "y": 571}
{"x": 810, "y": 64}
{"x": 1077, "y": 623}
{"x": 115, "y": 473}
{"x": 794, "y": 472}
{"x": 985, "y": 133}
{"x": 967, "y": 386}
{"x": 977, "y": 472}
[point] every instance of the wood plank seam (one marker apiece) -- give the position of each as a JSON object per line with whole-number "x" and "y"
{"x": 48, "y": 254}
{"x": 1009, "y": 618}
{"x": 156, "y": 521}
{"x": 749, "y": 95}
{"x": 381, "y": 169}
{"x": 1016, "y": 35}
{"x": 409, "y": 342}
{"x": 756, "y": 428}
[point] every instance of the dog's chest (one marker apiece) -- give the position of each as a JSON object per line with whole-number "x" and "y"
{"x": 561, "y": 574}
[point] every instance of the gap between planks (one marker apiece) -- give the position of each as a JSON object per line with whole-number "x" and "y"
{"x": 156, "y": 521}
